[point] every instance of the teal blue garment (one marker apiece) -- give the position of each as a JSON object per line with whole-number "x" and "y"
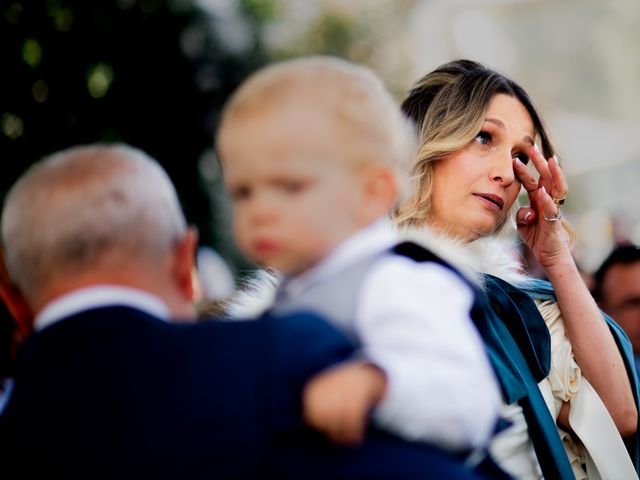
{"x": 519, "y": 347}
{"x": 542, "y": 290}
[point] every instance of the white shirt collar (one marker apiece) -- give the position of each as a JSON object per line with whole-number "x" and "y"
{"x": 100, "y": 296}
{"x": 377, "y": 237}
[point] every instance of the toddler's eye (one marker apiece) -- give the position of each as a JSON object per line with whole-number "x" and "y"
{"x": 483, "y": 138}
{"x": 293, "y": 186}
{"x": 524, "y": 158}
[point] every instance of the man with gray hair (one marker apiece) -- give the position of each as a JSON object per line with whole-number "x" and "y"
{"x": 100, "y": 252}
{"x": 98, "y": 216}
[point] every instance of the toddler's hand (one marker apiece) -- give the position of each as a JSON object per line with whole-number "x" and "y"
{"x": 337, "y": 401}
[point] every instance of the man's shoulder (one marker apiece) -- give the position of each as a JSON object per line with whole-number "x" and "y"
{"x": 300, "y": 343}
{"x": 84, "y": 334}
{"x": 292, "y": 330}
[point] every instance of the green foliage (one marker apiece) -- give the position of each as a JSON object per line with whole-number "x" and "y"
{"x": 151, "y": 73}
{"x": 338, "y": 34}
{"x": 332, "y": 34}
{"x": 259, "y": 11}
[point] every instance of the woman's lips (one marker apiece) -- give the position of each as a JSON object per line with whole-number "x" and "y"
{"x": 492, "y": 199}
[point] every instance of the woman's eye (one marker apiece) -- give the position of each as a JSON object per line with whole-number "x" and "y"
{"x": 483, "y": 138}
{"x": 524, "y": 158}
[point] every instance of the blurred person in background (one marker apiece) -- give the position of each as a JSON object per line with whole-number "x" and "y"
{"x": 477, "y": 130}
{"x": 617, "y": 291}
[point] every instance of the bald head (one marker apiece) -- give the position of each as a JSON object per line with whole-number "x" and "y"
{"x": 88, "y": 209}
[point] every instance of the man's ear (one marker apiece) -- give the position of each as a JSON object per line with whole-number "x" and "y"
{"x": 184, "y": 262}
{"x": 380, "y": 191}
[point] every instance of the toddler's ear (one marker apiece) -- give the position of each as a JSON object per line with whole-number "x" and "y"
{"x": 380, "y": 192}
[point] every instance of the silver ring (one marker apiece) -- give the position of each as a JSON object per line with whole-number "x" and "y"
{"x": 555, "y": 218}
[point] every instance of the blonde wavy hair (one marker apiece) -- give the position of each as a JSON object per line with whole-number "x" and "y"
{"x": 448, "y": 106}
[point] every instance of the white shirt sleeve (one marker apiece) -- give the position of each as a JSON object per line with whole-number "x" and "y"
{"x": 414, "y": 322}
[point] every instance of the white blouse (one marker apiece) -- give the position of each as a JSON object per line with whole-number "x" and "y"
{"x": 595, "y": 449}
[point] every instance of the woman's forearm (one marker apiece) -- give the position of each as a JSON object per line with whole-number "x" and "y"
{"x": 593, "y": 344}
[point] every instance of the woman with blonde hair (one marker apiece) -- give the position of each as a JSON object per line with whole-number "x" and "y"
{"x": 553, "y": 351}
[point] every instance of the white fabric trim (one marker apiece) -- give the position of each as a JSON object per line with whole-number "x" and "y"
{"x": 100, "y": 296}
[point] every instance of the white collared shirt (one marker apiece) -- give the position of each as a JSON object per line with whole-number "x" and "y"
{"x": 413, "y": 321}
{"x": 100, "y": 296}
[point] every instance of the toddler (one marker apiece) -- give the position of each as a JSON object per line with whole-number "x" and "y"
{"x": 314, "y": 153}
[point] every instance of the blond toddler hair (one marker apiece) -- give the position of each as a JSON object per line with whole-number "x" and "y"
{"x": 370, "y": 126}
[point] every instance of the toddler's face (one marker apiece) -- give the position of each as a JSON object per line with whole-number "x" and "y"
{"x": 293, "y": 200}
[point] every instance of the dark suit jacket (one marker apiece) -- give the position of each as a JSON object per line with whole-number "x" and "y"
{"x": 115, "y": 393}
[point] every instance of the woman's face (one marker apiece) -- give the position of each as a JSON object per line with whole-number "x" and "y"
{"x": 474, "y": 188}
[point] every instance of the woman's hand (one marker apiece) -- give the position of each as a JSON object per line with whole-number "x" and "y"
{"x": 538, "y": 224}
{"x": 583, "y": 322}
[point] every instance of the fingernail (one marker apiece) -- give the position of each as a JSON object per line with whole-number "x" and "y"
{"x": 555, "y": 161}
{"x": 535, "y": 145}
{"x": 527, "y": 216}
{"x": 544, "y": 190}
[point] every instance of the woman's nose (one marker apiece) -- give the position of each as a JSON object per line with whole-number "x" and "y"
{"x": 502, "y": 168}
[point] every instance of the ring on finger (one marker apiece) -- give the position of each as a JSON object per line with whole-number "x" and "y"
{"x": 555, "y": 218}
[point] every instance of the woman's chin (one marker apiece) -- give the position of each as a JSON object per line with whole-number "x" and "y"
{"x": 470, "y": 233}
{"x": 482, "y": 229}
{"x": 469, "y": 228}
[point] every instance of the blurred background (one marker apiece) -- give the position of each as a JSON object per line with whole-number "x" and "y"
{"x": 155, "y": 73}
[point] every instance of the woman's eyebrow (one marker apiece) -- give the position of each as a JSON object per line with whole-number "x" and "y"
{"x": 500, "y": 124}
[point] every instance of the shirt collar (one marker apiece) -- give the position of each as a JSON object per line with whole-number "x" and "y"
{"x": 377, "y": 237}
{"x": 100, "y": 296}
